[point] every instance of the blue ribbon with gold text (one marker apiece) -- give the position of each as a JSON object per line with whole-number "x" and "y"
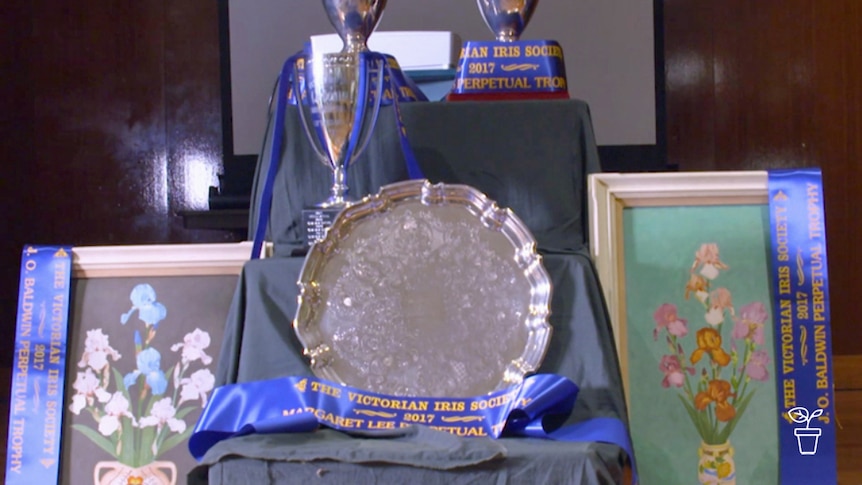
{"x": 802, "y": 334}
{"x": 38, "y": 373}
{"x": 524, "y": 66}
{"x": 301, "y": 404}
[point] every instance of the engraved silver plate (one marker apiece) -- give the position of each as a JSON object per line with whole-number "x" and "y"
{"x": 425, "y": 290}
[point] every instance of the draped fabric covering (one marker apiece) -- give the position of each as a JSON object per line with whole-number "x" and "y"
{"x": 533, "y": 157}
{"x": 530, "y": 156}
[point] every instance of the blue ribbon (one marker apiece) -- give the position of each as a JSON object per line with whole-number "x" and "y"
{"x": 402, "y": 87}
{"x": 524, "y": 66}
{"x": 395, "y": 86}
{"x": 802, "y": 328}
{"x": 359, "y": 115}
{"x": 302, "y": 404}
{"x": 38, "y": 375}
{"x": 292, "y": 87}
{"x": 284, "y": 84}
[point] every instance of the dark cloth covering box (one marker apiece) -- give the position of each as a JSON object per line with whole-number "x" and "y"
{"x": 530, "y": 156}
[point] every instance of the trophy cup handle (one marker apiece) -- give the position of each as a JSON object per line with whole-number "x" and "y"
{"x": 300, "y": 106}
{"x": 362, "y": 131}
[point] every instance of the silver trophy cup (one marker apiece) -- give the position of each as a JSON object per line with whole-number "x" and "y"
{"x": 343, "y": 103}
{"x": 507, "y": 19}
{"x": 354, "y": 20}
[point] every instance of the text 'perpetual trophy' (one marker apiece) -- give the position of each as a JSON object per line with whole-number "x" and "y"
{"x": 342, "y": 103}
{"x": 510, "y": 68}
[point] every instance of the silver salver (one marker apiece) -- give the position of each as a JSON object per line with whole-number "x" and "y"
{"x": 425, "y": 290}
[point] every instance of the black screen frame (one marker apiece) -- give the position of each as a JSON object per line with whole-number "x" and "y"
{"x": 238, "y": 178}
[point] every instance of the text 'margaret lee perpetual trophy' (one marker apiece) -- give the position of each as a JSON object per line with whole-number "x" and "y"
{"x": 509, "y": 68}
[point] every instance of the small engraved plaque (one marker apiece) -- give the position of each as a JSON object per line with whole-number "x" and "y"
{"x": 425, "y": 290}
{"x": 316, "y": 222}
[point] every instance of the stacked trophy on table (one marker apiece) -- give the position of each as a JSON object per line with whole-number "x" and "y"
{"x": 508, "y": 67}
{"x": 423, "y": 303}
{"x": 341, "y": 93}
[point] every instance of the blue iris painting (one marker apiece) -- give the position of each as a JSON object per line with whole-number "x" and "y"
{"x": 148, "y": 361}
{"x": 150, "y": 311}
{"x": 140, "y": 415}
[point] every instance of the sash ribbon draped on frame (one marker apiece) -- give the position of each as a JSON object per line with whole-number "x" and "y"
{"x": 39, "y": 372}
{"x": 803, "y": 338}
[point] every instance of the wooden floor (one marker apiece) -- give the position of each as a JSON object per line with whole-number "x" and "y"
{"x": 848, "y": 404}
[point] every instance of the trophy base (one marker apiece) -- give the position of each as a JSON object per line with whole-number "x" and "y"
{"x": 516, "y": 70}
{"x": 316, "y": 221}
{"x": 505, "y": 96}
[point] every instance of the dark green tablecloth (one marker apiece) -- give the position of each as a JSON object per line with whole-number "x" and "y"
{"x": 260, "y": 343}
{"x": 530, "y": 156}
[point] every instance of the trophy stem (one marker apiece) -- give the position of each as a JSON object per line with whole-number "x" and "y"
{"x": 354, "y": 42}
{"x": 508, "y": 35}
{"x": 338, "y": 192}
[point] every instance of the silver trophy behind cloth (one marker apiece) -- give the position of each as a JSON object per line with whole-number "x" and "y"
{"x": 342, "y": 102}
{"x": 507, "y": 19}
{"x": 354, "y": 20}
{"x": 508, "y": 67}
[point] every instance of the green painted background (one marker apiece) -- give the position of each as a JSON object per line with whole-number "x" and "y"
{"x": 660, "y": 243}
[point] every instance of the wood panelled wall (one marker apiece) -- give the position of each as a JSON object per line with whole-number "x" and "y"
{"x": 111, "y": 124}
{"x": 110, "y": 117}
{"x": 778, "y": 84}
{"x": 775, "y": 84}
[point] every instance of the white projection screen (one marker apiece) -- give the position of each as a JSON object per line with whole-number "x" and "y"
{"x": 609, "y": 47}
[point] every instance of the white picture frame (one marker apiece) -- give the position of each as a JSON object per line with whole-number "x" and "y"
{"x": 196, "y": 284}
{"x": 649, "y": 233}
{"x": 610, "y": 193}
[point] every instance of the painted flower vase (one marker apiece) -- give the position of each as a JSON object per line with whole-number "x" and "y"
{"x": 116, "y": 473}
{"x": 716, "y": 466}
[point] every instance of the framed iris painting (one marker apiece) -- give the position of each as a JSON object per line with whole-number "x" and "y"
{"x": 684, "y": 263}
{"x": 145, "y": 329}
